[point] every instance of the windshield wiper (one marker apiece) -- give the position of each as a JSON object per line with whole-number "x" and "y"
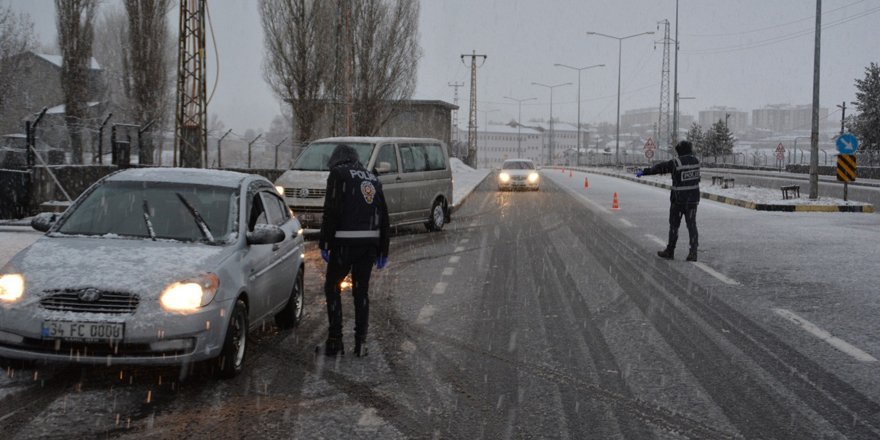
{"x": 147, "y": 220}
{"x": 200, "y": 222}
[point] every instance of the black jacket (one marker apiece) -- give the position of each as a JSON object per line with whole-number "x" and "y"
{"x": 355, "y": 213}
{"x": 685, "y": 171}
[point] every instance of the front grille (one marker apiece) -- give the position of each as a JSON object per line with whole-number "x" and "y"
{"x": 68, "y": 300}
{"x": 310, "y": 193}
{"x": 520, "y": 178}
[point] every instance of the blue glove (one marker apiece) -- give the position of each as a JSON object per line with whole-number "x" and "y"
{"x": 640, "y": 173}
{"x": 381, "y": 262}
{"x": 325, "y": 254}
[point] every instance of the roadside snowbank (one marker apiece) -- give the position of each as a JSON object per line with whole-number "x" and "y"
{"x": 464, "y": 180}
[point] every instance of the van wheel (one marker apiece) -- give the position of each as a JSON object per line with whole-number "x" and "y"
{"x": 438, "y": 216}
{"x": 231, "y": 359}
{"x": 292, "y": 313}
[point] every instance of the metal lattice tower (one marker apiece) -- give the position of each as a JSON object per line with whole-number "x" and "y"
{"x": 472, "y": 117}
{"x": 191, "y": 121}
{"x": 455, "y": 86}
{"x": 664, "y": 137}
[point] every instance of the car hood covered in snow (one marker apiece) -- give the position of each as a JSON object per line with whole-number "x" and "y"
{"x": 123, "y": 265}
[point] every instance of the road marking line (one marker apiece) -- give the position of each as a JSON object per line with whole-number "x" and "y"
{"x": 425, "y": 314}
{"x": 596, "y": 205}
{"x": 370, "y": 418}
{"x": 454, "y": 259}
{"x": 448, "y": 271}
{"x": 626, "y": 223}
{"x": 459, "y": 248}
{"x": 655, "y": 239}
{"x": 835, "y": 342}
{"x": 439, "y": 288}
{"x": 721, "y": 277}
{"x": 464, "y": 240}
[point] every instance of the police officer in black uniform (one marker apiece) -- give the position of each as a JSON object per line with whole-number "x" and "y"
{"x": 684, "y": 198}
{"x": 354, "y": 236}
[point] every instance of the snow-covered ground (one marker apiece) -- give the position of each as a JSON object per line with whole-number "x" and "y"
{"x": 464, "y": 180}
{"x": 747, "y": 193}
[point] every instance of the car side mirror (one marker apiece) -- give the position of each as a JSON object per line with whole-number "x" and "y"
{"x": 265, "y": 234}
{"x": 383, "y": 167}
{"x": 44, "y": 221}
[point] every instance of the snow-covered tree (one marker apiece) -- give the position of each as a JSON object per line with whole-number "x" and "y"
{"x": 75, "y": 21}
{"x": 866, "y": 123}
{"x": 16, "y": 36}
{"x": 696, "y": 137}
{"x": 719, "y": 139}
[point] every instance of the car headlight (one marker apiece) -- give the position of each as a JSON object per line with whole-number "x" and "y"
{"x": 11, "y": 287}
{"x": 504, "y": 177}
{"x": 533, "y": 177}
{"x": 280, "y": 190}
{"x": 189, "y": 295}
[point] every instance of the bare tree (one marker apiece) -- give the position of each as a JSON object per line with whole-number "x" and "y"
{"x": 111, "y": 38}
{"x": 386, "y": 54}
{"x": 294, "y": 35}
{"x": 146, "y": 66}
{"x": 16, "y": 36}
{"x": 75, "y": 21}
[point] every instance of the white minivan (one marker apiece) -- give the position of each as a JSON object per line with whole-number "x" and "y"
{"x": 415, "y": 174}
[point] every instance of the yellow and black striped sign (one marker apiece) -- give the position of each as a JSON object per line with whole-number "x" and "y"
{"x": 846, "y": 167}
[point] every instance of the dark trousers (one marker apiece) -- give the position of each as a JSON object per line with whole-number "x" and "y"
{"x": 358, "y": 260}
{"x": 689, "y": 211}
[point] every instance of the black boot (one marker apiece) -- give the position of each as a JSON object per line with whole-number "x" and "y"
{"x": 667, "y": 254}
{"x": 692, "y": 255}
{"x": 360, "y": 347}
{"x": 333, "y": 347}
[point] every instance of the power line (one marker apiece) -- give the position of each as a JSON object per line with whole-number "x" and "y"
{"x": 781, "y": 38}
{"x": 774, "y": 26}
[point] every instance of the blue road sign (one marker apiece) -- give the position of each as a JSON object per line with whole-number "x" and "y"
{"x": 847, "y": 143}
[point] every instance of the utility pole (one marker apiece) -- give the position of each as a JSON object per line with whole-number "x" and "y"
{"x": 664, "y": 135}
{"x": 842, "y": 108}
{"x": 455, "y": 86}
{"x": 675, "y": 84}
{"x": 472, "y": 116}
{"x": 191, "y": 135}
{"x": 814, "y": 134}
{"x": 519, "y": 124}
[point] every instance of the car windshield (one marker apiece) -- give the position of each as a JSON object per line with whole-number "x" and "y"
{"x": 518, "y": 165}
{"x": 316, "y": 156}
{"x": 155, "y": 209}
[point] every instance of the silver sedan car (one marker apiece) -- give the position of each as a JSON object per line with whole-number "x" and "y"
{"x": 155, "y": 267}
{"x": 518, "y": 174}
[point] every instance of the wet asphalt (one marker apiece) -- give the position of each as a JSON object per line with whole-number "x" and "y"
{"x": 529, "y": 316}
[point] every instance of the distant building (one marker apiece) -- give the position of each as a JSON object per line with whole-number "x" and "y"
{"x": 38, "y": 86}
{"x": 737, "y": 121}
{"x": 643, "y": 122}
{"x": 410, "y": 118}
{"x": 784, "y": 118}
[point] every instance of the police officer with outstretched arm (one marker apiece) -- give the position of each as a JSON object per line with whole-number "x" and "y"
{"x": 354, "y": 236}
{"x": 684, "y": 198}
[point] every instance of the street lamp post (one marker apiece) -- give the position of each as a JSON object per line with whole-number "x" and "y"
{"x": 552, "y": 135}
{"x": 579, "y": 70}
{"x": 519, "y": 124}
{"x": 619, "y": 58}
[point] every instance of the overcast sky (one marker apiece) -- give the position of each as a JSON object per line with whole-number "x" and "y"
{"x": 744, "y": 54}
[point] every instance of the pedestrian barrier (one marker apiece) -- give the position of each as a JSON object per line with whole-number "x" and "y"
{"x": 615, "y": 204}
{"x": 727, "y": 183}
{"x": 788, "y": 189}
{"x": 717, "y": 180}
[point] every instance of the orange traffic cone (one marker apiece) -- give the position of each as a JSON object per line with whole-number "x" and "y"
{"x": 570, "y": 173}
{"x": 614, "y": 203}
{"x": 586, "y": 183}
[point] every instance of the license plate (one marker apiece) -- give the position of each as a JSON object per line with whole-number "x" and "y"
{"x": 84, "y": 331}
